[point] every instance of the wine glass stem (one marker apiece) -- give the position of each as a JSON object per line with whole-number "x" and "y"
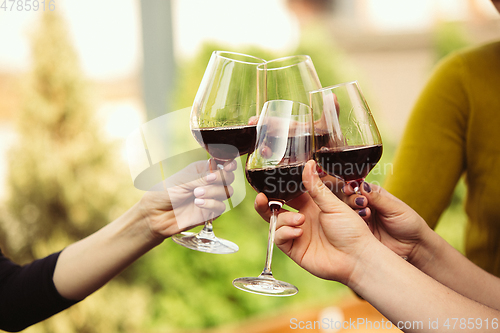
{"x": 356, "y": 185}
{"x": 275, "y": 206}
{"x": 208, "y": 230}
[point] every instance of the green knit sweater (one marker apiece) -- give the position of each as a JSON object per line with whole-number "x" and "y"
{"x": 454, "y": 129}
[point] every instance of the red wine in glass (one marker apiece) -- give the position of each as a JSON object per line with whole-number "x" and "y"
{"x": 347, "y": 141}
{"x": 282, "y": 183}
{"x": 216, "y": 139}
{"x": 228, "y": 98}
{"x": 351, "y": 163}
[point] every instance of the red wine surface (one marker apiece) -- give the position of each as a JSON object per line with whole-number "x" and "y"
{"x": 349, "y": 163}
{"x": 282, "y": 183}
{"x": 217, "y": 139}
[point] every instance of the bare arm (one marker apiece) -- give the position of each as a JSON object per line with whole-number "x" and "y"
{"x": 404, "y": 294}
{"x": 445, "y": 264}
{"x": 88, "y": 264}
{"x": 85, "y": 266}
{"x": 402, "y": 230}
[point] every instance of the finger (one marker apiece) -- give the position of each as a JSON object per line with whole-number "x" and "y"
{"x": 365, "y": 213}
{"x": 356, "y": 201}
{"x": 261, "y": 205}
{"x": 220, "y": 193}
{"x": 348, "y": 189}
{"x": 290, "y": 219}
{"x": 213, "y": 206}
{"x": 286, "y": 234}
{"x": 219, "y": 177}
{"x": 253, "y": 120}
{"x": 231, "y": 166}
{"x": 333, "y": 183}
{"x": 321, "y": 195}
{"x": 379, "y": 199}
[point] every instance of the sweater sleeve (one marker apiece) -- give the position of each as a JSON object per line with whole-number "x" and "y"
{"x": 431, "y": 156}
{"x": 28, "y": 294}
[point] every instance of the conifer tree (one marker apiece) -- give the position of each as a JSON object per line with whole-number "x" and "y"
{"x": 63, "y": 179}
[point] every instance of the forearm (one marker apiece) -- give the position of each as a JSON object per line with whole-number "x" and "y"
{"x": 88, "y": 264}
{"x": 404, "y": 294}
{"x": 445, "y": 264}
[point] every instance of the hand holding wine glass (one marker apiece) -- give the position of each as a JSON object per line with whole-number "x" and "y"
{"x": 326, "y": 236}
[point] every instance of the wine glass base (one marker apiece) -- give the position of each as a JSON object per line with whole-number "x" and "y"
{"x": 195, "y": 241}
{"x": 265, "y": 286}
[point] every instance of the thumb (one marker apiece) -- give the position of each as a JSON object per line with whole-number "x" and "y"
{"x": 380, "y": 199}
{"x": 321, "y": 195}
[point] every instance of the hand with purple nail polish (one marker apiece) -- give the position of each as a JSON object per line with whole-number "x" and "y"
{"x": 392, "y": 221}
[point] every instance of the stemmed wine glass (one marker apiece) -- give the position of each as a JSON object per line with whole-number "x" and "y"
{"x": 282, "y": 80}
{"x": 228, "y": 97}
{"x": 282, "y": 148}
{"x": 347, "y": 142}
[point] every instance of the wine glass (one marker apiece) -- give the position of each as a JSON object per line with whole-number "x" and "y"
{"x": 347, "y": 142}
{"x": 282, "y": 148}
{"x": 228, "y": 97}
{"x": 289, "y": 78}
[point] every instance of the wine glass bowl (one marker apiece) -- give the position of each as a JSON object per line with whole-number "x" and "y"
{"x": 347, "y": 141}
{"x": 283, "y": 146}
{"x": 289, "y": 78}
{"x": 228, "y": 98}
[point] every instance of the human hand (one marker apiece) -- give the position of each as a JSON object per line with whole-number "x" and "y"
{"x": 187, "y": 199}
{"x": 392, "y": 221}
{"x": 326, "y": 237}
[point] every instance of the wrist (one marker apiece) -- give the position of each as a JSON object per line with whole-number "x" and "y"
{"x": 424, "y": 253}
{"x": 159, "y": 221}
{"x": 364, "y": 263}
{"x": 135, "y": 223}
{"x": 374, "y": 268}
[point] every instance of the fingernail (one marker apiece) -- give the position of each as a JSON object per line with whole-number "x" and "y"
{"x": 367, "y": 187}
{"x": 199, "y": 191}
{"x": 199, "y": 202}
{"x": 211, "y": 177}
{"x": 359, "y": 201}
{"x": 362, "y": 212}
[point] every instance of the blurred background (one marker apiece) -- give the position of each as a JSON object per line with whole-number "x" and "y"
{"x": 77, "y": 77}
